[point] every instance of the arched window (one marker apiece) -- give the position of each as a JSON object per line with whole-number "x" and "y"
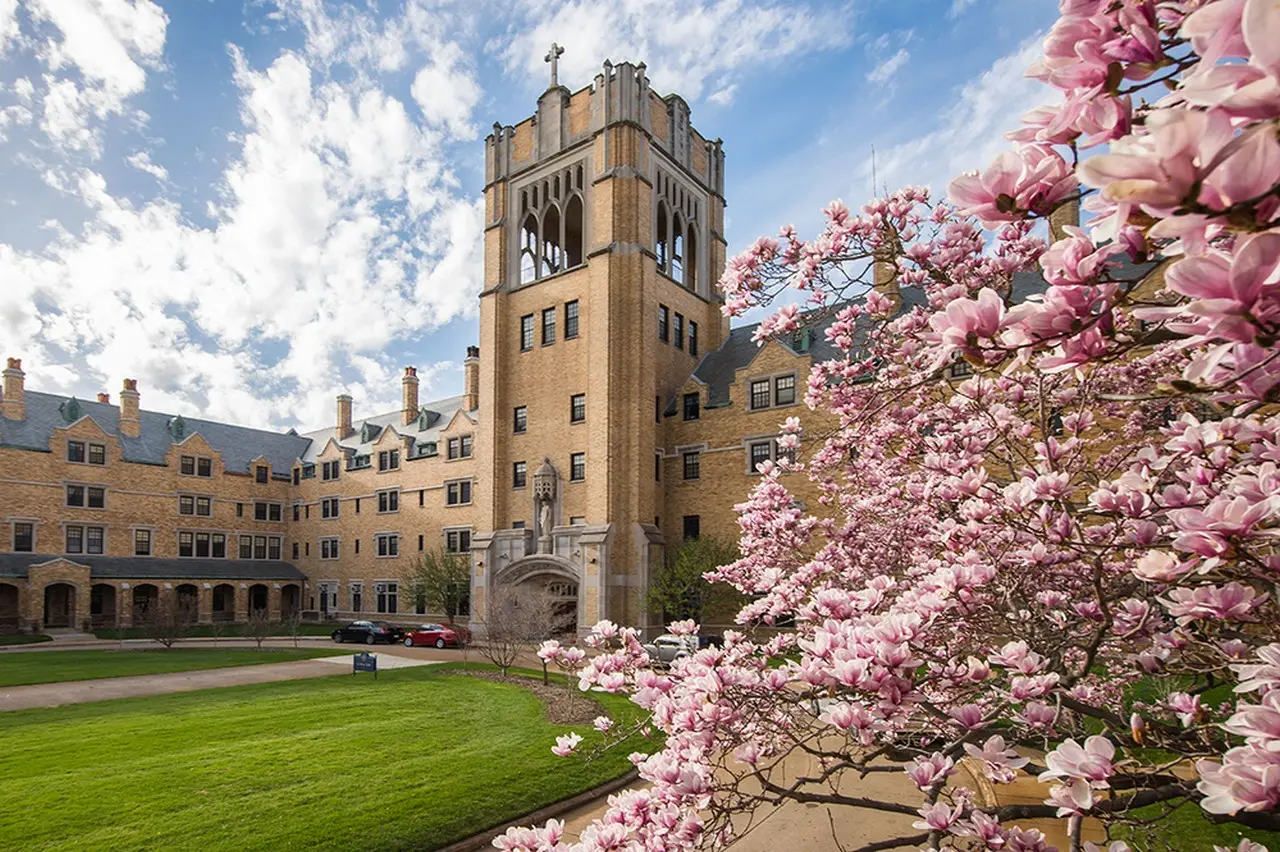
{"x": 529, "y": 249}
{"x": 551, "y": 258}
{"x": 677, "y": 249}
{"x": 660, "y": 243}
{"x": 691, "y": 259}
{"x": 573, "y": 232}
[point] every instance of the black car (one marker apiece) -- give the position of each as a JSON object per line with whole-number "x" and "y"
{"x": 368, "y": 632}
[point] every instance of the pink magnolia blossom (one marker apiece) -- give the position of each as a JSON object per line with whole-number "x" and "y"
{"x": 566, "y": 744}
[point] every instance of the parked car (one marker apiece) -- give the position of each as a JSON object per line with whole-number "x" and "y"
{"x": 710, "y": 641}
{"x": 368, "y": 632}
{"x": 432, "y": 634}
{"x": 668, "y": 648}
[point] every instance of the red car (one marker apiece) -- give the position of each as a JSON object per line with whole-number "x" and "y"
{"x": 431, "y": 634}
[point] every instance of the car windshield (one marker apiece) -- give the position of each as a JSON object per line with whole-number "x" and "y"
{"x": 431, "y": 627}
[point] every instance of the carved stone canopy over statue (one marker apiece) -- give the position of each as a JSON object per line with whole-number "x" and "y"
{"x": 544, "y": 502}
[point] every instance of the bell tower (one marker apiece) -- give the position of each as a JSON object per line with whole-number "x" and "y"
{"x": 604, "y": 217}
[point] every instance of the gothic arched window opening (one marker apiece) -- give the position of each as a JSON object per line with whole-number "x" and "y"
{"x": 529, "y": 249}
{"x": 691, "y": 259}
{"x": 573, "y": 232}
{"x": 677, "y": 249}
{"x": 660, "y": 244}
{"x": 552, "y": 262}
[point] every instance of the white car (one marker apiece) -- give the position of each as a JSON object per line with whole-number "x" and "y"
{"x": 668, "y": 648}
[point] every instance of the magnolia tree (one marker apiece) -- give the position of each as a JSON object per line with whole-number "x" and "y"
{"x": 1060, "y": 568}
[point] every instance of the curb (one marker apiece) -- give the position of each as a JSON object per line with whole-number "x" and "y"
{"x": 484, "y": 839}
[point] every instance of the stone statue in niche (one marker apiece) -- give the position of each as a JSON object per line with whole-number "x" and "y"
{"x": 544, "y": 499}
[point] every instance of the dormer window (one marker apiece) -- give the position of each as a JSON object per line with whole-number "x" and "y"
{"x": 177, "y": 428}
{"x": 261, "y": 474}
{"x": 368, "y": 432}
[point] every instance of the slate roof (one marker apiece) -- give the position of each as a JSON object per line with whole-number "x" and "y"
{"x": 145, "y": 567}
{"x": 438, "y": 414}
{"x": 238, "y": 445}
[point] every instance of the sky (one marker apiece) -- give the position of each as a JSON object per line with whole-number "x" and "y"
{"x": 251, "y": 206}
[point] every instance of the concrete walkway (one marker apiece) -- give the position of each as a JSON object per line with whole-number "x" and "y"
{"x": 107, "y": 688}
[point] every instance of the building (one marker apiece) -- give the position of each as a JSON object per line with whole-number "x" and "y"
{"x": 608, "y": 413}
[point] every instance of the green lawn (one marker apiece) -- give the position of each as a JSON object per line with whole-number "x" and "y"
{"x": 1187, "y": 828}
{"x": 414, "y": 760}
{"x": 23, "y": 638}
{"x": 57, "y": 666}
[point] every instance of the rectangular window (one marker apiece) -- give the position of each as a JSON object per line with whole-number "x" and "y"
{"x": 328, "y": 548}
{"x": 219, "y": 546}
{"x": 202, "y": 545}
{"x": 186, "y": 544}
{"x": 692, "y": 526}
{"x": 518, "y": 475}
{"x": 297, "y": 512}
{"x": 142, "y": 542}
{"x": 357, "y": 505}
{"x": 570, "y": 319}
{"x": 452, "y": 452}
{"x": 784, "y": 390}
{"x": 389, "y": 460}
{"x": 760, "y": 454}
{"x": 357, "y": 547}
{"x": 577, "y": 408}
{"x": 693, "y": 338}
{"x": 275, "y": 512}
{"x": 388, "y": 544}
{"x": 274, "y": 545}
{"x": 93, "y": 539}
{"x": 664, "y": 321}
{"x": 186, "y": 505}
{"x": 75, "y": 539}
{"x": 187, "y": 465}
{"x": 691, "y": 406}
{"x": 24, "y": 538}
{"x": 261, "y": 473}
{"x": 204, "y": 467}
{"x": 388, "y": 597}
{"x": 388, "y": 501}
{"x": 329, "y": 471}
{"x": 357, "y": 595}
{"x": 458, "y": 493}
{"x": 329, "y": 507}
{"x": 693, "y": 465}
{"x": 577, "y": 467}
{"x": 97, "y": 498}
{"x": 959, "y": 368}
{"x": 246, "y": 547}
{"x": 75, "y": 451}
{"x": 457, "y": 541}
{"x": 520, "y": 420}
{"x": 259, "y": 547}
{"x": 526, "y": 332}
{"x": 239, "y": 510}
{"x": 259, "y": 511}
{"x": 466, "y": 446}
{"x": 548, "y": 326}
{"x": 75, "y": 495}
{"x": 657, "y": 409}
{"x": 760, "y": 394}
{"x": 97, "y": 454}
{"x": 297, "y": 475}
{"x": 517, "y": 525}
{"x": 657, "y": 467}
{"x": 422, "y": 543}
{"x": 204, "y": 507}
{"x": 677, "y": 331}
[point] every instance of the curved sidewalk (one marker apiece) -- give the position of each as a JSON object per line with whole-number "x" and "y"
{"x": 107, "y": 688}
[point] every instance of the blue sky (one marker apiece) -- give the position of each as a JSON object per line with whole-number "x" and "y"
{"x": 254, "y": 205}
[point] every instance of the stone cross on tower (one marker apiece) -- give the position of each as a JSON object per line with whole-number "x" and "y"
{"x": 553, "y": 57}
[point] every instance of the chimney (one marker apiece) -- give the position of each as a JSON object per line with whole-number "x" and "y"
{"x": 409, "y": 396}
{"x": 1067, "y": 213}
{"x": 344, "y": 416}
{"x": 130, "y": 422}
{"x": 13, "y": 403}
{"x": 471, "y": 387}
{"x": 104, "y": 398}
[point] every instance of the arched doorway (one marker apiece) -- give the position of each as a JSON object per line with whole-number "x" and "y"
{"x": 10, "y": 614}
{"x": 224, "y": 602}
{"x": 258, "y": 598}
{"x": 102, "y": 606}
{"x": 59, "y": 605}
{"x": 551, "y": 583}
{"x": 188, "y": 603}
{"x": 146, "y": 603}
{"x": 290, "y": 601}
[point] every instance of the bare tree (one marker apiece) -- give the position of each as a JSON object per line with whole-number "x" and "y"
{"x": 259, "y": 626}
{"x": 293, "y": 625}
{"x": 168, "y": 621}
{"x": 217, "y": 627}
{"x": 518, "y": 619}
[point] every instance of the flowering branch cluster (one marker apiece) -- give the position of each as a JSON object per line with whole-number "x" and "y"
{"x": 1057, "y": 566}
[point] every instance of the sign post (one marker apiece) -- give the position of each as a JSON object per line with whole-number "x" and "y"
{"x": 365, "y": 662}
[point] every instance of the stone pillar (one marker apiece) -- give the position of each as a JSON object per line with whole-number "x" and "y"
{"x": 204, "y": 602}
{"x": 124, "y": 604}
{"x": 242, "y": 601}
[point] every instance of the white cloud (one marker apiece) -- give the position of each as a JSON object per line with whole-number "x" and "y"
{"x": 689, "y": 47}
{"x": 8, "y": 22}
{"x": 338, "y": 229}
{"x": 447, "y": 92}
{"x": 958, "y": 8}
{"x": 141, "y": 160}
{"x": 884, "y": 71}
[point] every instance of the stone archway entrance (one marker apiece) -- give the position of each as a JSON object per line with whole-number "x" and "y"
{"x": 224, "y": 602}
{"x": 188, "y": 601}
{"x": 102, "y": 605}
{"x": 259, "y": 595}
{"x": 290, "y": 601}
{"x": 557, "y": 583}
{"x": 59, "y": 605}
{"x": 10, "y": 614}
{"x": 146, "y": 603}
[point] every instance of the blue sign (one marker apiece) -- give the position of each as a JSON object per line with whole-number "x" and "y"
{"x": 365, "y": 662}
